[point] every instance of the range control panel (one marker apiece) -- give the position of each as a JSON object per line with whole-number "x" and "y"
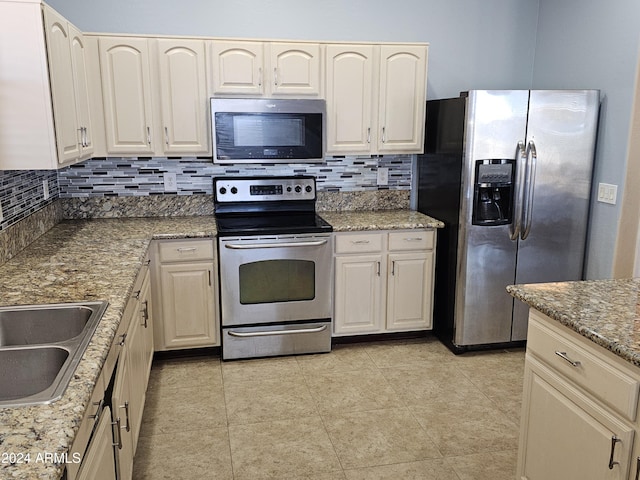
{"x": 257, "y": 189}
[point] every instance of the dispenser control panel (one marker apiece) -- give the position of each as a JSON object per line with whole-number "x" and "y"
{"x": 494, "y": 173}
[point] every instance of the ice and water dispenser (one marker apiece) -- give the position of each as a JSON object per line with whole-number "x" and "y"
{"x": 493, "y": 192}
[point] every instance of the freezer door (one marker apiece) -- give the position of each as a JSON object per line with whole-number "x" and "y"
{"x": 495, "y": 122}
{"x": 561, "y": 132}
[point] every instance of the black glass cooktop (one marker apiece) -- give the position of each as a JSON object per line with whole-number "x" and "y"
{"x": 271, "y": 224}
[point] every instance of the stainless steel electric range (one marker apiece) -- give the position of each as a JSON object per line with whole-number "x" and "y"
{"x": 275, "y": 267}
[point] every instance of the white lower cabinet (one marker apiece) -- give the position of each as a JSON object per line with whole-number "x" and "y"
{"x": 383, "y": 281}
{"x": 186, "y": 291}
{"x": 579, "y": 412}
{"x": 107, "y": 448}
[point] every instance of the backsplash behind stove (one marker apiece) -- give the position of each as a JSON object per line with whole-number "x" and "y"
{"x": 100, "y": 177}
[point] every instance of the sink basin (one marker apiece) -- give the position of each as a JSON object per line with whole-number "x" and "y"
{"x": 34, "y": 324}
{"x": 28, "y": 371}
{"x": 40, "y": 348}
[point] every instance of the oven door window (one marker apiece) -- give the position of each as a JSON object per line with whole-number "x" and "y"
{"x": 272, "y": 281}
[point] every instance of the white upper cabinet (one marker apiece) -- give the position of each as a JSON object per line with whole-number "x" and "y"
{"x": 266, "y": 69}
{"x": 126, "y": 91}
{"x": 44, "y": 119}
{"x": 349, "y": 98}
{"x": 237, "y": 67}
{"x": 375, "y": 98}
{"x": 183, "y": 95}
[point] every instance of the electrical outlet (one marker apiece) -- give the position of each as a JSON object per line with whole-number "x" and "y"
{"x": 607, "y": 193}
{"x": 45, "y": 189}
{"x": 170, "y": 182}
{"x": 383, "y": 176}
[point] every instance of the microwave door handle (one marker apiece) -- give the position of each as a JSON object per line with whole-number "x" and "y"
{"x": 254, "y": 246}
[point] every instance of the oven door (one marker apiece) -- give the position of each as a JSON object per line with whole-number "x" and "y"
{"x": 275, "y": 279}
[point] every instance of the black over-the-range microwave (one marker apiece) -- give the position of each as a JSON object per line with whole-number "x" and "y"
{"x": 255, "y": 130}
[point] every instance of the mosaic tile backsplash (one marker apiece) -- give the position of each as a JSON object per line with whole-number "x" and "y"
{"x": 22, "y": 193}
{"x": 145, "y": 176}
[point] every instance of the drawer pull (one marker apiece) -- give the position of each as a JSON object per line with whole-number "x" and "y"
{"x": 638, "y": 468}
{"x": 186, "y": 249}
{"x": 413, "y": 239}
{"x": 563, "y": 355}
{"x": 360, "y": 242}
{"x": 614, "y": 440}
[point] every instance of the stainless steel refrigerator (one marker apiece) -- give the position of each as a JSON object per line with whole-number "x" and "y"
{"x": 509, "y": 172}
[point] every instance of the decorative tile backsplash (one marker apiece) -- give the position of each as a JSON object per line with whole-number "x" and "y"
{"x": 144, "y": 176}
{"x": 22, "y": 193}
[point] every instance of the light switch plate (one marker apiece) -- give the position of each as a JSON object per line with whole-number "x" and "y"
{"x": 45, "y": 189}
{"x": 607, "y": 193}
{"x": 383, "y": 176}
{"x": 170, "y": 182}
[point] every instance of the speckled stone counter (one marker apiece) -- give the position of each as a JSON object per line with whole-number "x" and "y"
{"x": 99, "y": 259}
{"x": 76, "y": 261}
{"x": 604, "y": 311}
{"x": 379, "y": 220}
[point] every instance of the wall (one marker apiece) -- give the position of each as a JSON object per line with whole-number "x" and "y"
{"x": 595, "y": 44}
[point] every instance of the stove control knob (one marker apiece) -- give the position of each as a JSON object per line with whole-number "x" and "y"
{"x": 288, "y": 189}
{"x": 308, "y": 189}
{"x": 298, "y": 188}
{"x": 234, "y": 190}
{"x": 222, "y": 190}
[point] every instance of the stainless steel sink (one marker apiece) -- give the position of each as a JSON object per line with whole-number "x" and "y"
{"x": 40, "y": 348}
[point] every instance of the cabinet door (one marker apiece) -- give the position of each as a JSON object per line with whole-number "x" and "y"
{"x": 62, "y": 87}
{"x": 358, "y": 294}
{"x": 401, "y": 111}
{"x": 121, "y": 401}
{"x": 409, "y": 297}
{"x": 98, "y": 462}
{"x": 188, "y": 314}
{"x": 183, "y": 94}
{"x": 349, "y": 98}
{"x": 295, "y": 69}
{"x": 81, "y": 84}
{"x": 237, "y": 68}
{"x": 566, "y": 435}
{"x": 126, "y": 90}
{"x": 135, "y": 346}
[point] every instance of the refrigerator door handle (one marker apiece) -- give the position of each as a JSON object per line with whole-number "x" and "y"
{"x": 516, "y": 225}
{"x": 527, "y": 208}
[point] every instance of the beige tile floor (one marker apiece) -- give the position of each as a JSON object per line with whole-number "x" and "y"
{"x": 394, "y": 410}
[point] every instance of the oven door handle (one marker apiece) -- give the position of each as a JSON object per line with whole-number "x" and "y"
{"x": 253, "y": 246}
{"x": 269, "y": 333}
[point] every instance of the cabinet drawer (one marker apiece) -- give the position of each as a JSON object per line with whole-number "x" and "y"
{"x": 186, "y": 250}
{"x": 358, "y": 242}
{"x": 412, "y": 240}
{"x": 586, "y": 367}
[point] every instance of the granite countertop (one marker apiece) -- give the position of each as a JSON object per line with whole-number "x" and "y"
{"x": 84, "y": 260}
{"x": 604, "y": 311}
{"x": 379, "y": 220}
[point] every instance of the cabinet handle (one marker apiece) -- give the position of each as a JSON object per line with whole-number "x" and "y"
{"x": 378, "y": 271}
{"x": 637, "y": 468}
{"x": 384, "y": 136}
{"x": 127, "y": 427}
{"x": 166, "y": 136}
{"x": 563, "y": 355}
{"x": 96, "y": 415}
{"x": 259, "y": 76}
{"x": 149, "y": 135}
{"x": 137, "y": 293}
{"x": 118, "y": 427}
{"x": 85, "y": 143}
{"x": 186, "y": 249}
{"x": 369, "y": 135}
{"x": 360, "y": 242}
{"x": 393, "y": 267}
{"x": 275, "y": 76}
{"x": 123, "y": 337}
{"x": 209, "y": 272}
{"x": 413, "y": 239}
{"x": 614, "y": 440}
{"x": 145, "y": 313}
{"x": 81, "y": 142}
